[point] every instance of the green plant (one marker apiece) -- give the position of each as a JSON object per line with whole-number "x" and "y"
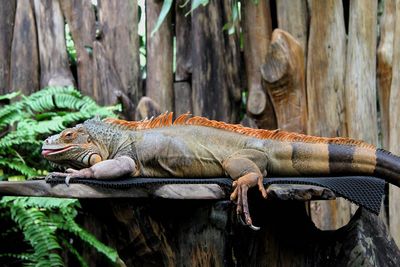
{"x": 24, "y": 123}
{"x": 47, "y": 225}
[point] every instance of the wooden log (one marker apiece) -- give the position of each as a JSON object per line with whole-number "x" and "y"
{"x": 257, "y": 31}
{"x": 293, "y": 18}
{"x": 25, "y": 76}
{"x": 325, "y": 93}
{"x": 118, "y": 22}
{"x": 7, "y": 15}
{"x": 394, "y": 130}
{"x": 214, "y": 89}
{"x": 183, "y": 28}
{"x": 183, "y": 100}
{"x": 81, "y": 21}
{"x": 159, "y": 82}
{"x": 54, "y": 66}
{"x": 283, "y": 73}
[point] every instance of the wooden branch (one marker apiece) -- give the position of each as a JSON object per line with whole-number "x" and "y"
{"x": 25, "y": 76}
{"x": 54, "y": 65}
{"x": 159, "y": 82}
{"x": 284, "y": 74}
{"x": 394, "y": 131}
{"x": 257, "y": 31}
{"x": 7, "y": 15}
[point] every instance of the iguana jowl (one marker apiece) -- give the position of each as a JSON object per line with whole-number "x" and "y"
{"x": 198, "y": 147}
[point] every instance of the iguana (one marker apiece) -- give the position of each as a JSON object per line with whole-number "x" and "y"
{"x": 199, "y": 147}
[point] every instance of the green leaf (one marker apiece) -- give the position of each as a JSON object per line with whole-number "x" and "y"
{"x": 163, "y": 13}
{"x": 10, "y": 95}
{"x": 196, "y": 4}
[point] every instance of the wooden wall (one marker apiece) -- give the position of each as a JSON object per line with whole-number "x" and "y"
{"x": 327, "y": 71}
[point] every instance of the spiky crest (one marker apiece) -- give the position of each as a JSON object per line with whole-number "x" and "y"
{"x": 166, "y": 120}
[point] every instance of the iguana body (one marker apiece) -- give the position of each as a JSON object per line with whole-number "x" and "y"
{"x": 198, "y": 147}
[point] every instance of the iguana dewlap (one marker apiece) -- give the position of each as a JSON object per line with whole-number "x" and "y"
{"x": 198, "y": 147}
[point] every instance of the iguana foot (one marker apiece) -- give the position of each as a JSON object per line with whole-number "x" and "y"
{"x": 241, "y": 186}
{"x": 72, "y": 173}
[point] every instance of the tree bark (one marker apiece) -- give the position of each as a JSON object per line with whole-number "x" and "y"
{"x": 325, "y": 92}
{"x": 54, "y": 66}
{"x": 214, "y": 81}
{"x": 7, "y": 15}
{"x": 284, "y": 76}
{"x": 293, "y": 18}
{"x": 183, "y": 30}
{"x": 159, "y": 82}
{"x": 25, "y": 65}
{"x": 394, "y": 131}
{"x": 257, "y": 31}
{"x": 81, "y": 21}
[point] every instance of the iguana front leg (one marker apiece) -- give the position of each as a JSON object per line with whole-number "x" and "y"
{"x": 107, "y": 169}
{"x": 246, "y": 174}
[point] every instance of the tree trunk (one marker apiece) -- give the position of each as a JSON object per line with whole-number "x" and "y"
{"x": 325, "y": 92}
{"x": 25, "y": 75}
{"x": 257, "y": 31}
{"x": 7, "y": 15}
{"x": 159, "y": 82}
{"x": 214, "y": 87}
{"x": 81, "y": 21}
{"x": 54, "y": 66}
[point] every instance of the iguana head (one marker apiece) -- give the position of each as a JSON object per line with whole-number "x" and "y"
{"x": 73, "y": 147}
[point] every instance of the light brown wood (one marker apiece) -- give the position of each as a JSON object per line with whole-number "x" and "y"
{"x": 257, "y": 30}
{"x": 25, "y": 76}
{"x": 54, "y": 66}
{"x": 80, "y": 17}
{"x": 326, "y": 65}
{"x": 283, "y": 73}
{"x": 146, "y": 109}
{"x": 183, "y": 97}
{"x": 159, "y": 82}
{"x": 293, "y": 18}
{"x": 215, "y": 78}
{"x": 394, "y": 131}
{"x": 118, "y": 28}
{"x": 7, "y": 15}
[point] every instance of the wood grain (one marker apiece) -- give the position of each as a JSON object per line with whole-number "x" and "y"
{"x": 25, "y": 76}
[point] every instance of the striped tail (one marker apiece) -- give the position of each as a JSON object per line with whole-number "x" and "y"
{"x": 387, "y": 167}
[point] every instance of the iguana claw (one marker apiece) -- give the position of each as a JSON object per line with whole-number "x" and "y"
{"x": 251, "y": 226}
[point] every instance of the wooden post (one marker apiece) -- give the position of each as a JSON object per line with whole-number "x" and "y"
{"x": 159, "y": 82}
{"x": 257, "y": 31}
{"x": 325, "y": 92}
{"x": 25, "y": 75}
{"x": 284, "y": 76}
{"x": 81, "y": 21}
{"x": 54, "y": 66}
{"x": 394, "y": 131}
{"x": 214, "y": 90}
{"x": 7, "y": 14}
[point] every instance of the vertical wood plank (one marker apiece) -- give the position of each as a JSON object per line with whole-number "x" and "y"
{"x": 54, "y": 66}
{"x": 394, "y": 133}
{"x": 257, "y": 30}
{"x": 293, "y": 18}
{"x": 183, "y": 28}
{"x": 80, "y": 17}
{"x": 325, "y": 92}
{"x": 24, "y": 52}
{"x": 7, "y": 15}
{"x": 159, "y": 82}
{"x": 213, "y": 87}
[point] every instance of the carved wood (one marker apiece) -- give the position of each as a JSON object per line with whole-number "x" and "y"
{"x": 7, "y": 15}
{"x": 159, "y": 82}
{"x": 284, "y": 77}
{"x": 257, "y": 31}
{"x": 54, "y": 66}
{"x": 25, "y": 76}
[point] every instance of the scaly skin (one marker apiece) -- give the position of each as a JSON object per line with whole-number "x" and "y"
{"x": 197, "y": 147}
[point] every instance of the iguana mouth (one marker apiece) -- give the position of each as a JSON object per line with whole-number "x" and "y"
{"x": 46, "y": 150}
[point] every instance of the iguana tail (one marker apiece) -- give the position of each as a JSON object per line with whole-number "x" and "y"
{"x": 387, "y": 167}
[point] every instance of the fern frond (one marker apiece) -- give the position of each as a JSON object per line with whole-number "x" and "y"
{"x": 18, "y": 166}
{"x": 9, "y": 96}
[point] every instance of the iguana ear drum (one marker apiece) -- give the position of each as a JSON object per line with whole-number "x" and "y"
{"x": 94, "y": 158}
